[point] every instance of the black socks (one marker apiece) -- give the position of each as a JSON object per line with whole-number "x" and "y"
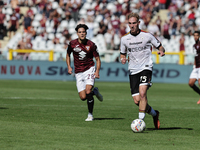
{"x": 90, "y": 102}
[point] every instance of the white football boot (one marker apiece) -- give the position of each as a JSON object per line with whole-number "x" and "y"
{"x": 89, "y": 118}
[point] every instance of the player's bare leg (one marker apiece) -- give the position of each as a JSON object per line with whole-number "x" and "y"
{"x": 143, "y": 101}
{"x": 144, "y": 107}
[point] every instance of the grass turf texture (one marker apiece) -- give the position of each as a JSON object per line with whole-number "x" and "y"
{"x": 48, "y": 115}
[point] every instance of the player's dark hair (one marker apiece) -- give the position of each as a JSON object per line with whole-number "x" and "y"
{"x": 197, "y": 32}
{"x": 81, "y": 26}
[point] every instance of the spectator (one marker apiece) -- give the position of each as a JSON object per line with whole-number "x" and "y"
{"x": 2, "y": 27}
{"x": 126, "y": 7}
{"x": 27, "y": 22}
{"x": 103, "y": 8}
{"x": 194, "y": 4}
{"x": 56, "y": 24}
{"x": 116, "y": 24}
{"x": 187, "y": 28}
{"x": 179, "y": 23}
{"x": 159, "y": 22}
{"x": 165, "y": 30}
{"x": 102, "y": 27}
{"x": 17, "y": 10}
{"x": 122, "y": 30}
{"x": 68, "y": 15}
{"x": 62, "y": 4}
{"x": 14, "y": 4}
{"x": 27, "y": 3}
{"x": 67, "y": 36}
{"x": 31, "y": 33}
{"x": 13, "y": 24}
{"x": 28, "y": 45}
{"x": 43, "y": 22}
{"x": 90, "y": 12}
{"x": 56, "y": 40}
{"x": 109, "y": 36}
{"x": 60, "y": 58}
{"x": 22, "y": 46}
{"x": 179, "y": 3}
{"x": 75, "y": 6}
{"x": 118, "y": 8}
{"x": 191, "y": 16}
{"x": 90, "y": 24}
{"x": 181, "y": 12}
{"x": 30, "y": 13}
{"x": 172, "y": 9}
{"x": 41, "y": 6}
{"x": 173, "y": 26}
{"x": 153, "y": 28}
{"x": 181, "y": 42}
{"x": 49, "y": 10}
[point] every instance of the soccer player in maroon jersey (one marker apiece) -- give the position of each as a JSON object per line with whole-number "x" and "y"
{"x": 84, "y": 51}
{"x": 195, "y": 74}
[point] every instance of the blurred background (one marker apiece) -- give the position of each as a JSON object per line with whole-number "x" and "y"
{"x": 40, "y": 30}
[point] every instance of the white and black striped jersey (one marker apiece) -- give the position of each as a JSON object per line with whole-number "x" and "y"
{"x": 138, "y": 48}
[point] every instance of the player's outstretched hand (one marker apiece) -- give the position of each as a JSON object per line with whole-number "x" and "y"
{"x": 70, "y": 70}
{"x": 123, "y": 60}
{"x": 96, "y": 75}
{"x": 161, "y": 53}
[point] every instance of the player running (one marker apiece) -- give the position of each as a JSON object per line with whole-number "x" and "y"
{"x": 83, "y": 51}
{"x": 137, "y": 44}
{"x": 195, "y": 74}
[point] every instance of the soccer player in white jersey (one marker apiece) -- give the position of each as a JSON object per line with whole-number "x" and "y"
{"x": 137, "y": 44}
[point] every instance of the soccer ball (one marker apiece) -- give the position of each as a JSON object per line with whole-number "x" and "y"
{"x": 138, "y": 125}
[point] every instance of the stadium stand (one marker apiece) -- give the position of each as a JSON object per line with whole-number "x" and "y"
{"x": 58, "y": 16}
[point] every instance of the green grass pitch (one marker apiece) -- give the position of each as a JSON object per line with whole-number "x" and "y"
{"x": 48, "y": 115}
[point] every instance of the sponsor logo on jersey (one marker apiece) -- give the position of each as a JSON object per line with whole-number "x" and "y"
{"x": 87, "y": 48}
{"x": 137, "y": 49}
{"x": 77, "y": 49}
{"x": 82, "y": 55}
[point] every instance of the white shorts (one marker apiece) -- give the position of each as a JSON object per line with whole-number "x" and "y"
{"x": 195, "y": 74}
{"x": 85, "y": 78}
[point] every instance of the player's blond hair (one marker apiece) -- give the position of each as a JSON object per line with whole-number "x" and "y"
{"x": 134, "y": 15}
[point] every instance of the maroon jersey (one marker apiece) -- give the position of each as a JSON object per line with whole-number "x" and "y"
{"x": 196, "y": 48}
{"x": 83, "y": 54}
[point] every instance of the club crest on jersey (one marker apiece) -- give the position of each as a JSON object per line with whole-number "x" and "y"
{"x": 87, "y": 48}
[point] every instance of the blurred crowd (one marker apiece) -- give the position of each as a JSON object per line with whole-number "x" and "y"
{"x": 181, "y": 19}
